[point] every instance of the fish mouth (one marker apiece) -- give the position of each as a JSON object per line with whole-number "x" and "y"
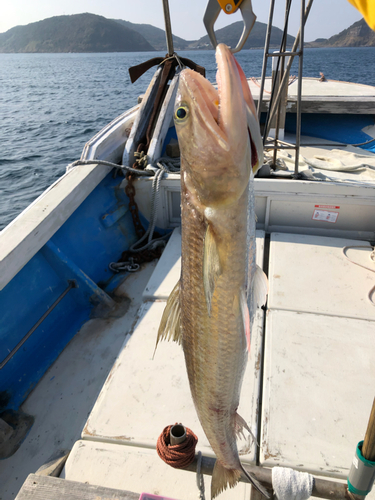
{"x": 226, "y": 116}
{"x": 233, "y": 77}
{"x": 228, "y": 111}
{"x": 206, "y": 100}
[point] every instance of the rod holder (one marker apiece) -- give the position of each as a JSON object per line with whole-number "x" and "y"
{"x": 362, "y": 473}
{"x": 177, "y": 434}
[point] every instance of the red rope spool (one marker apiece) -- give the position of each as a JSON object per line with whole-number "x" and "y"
{"x": 178, "y": 455}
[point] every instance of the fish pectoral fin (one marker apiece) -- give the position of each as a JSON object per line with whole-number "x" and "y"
{"x": 169, "y": 328}
{"x": 222, "y": 478}
{"x": 259, "y": 289}
{"x": 211, "y": 266}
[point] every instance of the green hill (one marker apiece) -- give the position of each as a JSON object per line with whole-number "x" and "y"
{"x": 155, "y": 36}
{"x": 231, "y": 34}
{"x": 76, "y": 33}
{"x": 92, "y": 33}
{"x": 358, "y": 34}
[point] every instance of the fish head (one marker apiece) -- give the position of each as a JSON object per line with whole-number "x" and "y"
{"x": 218, "y": 132}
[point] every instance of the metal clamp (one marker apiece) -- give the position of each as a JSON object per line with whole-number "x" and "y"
{"x": 213, "y": 10}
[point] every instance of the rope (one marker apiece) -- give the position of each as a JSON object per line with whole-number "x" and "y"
{"x": 180, "y": 455}
{"x": 200, "y": 479}
{"x": 372, "y": 257}
{"x": 152, "y": 243}
{"x": 108, "y": 164}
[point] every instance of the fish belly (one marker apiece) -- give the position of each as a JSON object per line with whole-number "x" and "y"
{"x": 214, "y": 343}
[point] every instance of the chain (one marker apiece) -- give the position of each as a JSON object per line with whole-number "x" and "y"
{"x": 133, "y": 207}
{"x": 145, "y": 255}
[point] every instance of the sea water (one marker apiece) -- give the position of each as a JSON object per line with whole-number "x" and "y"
{"x": 51, "y": 104}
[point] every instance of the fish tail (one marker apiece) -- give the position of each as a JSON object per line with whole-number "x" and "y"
{"x": 222, "y": 478}
{"x": 255, "y": 483}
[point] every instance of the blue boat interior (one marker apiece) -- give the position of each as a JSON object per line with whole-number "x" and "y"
{"x": 79, "y": 252}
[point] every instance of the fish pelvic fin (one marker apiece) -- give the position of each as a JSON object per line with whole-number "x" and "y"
{"x": 222, "y": 478}
{"x": 258, "y": 289}
{"x": 170, "y": 328}
{"x": 211, "y": 266}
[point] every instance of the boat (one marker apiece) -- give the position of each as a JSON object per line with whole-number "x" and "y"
{"x": 85, "y": 272}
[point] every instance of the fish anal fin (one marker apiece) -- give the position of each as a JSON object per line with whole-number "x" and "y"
{"x": 169, "y": 328}
{"x": 246, "y": 318}
{"x": 240, "y": 425}
{"x": 211, "y": 266}
{"x": 259, "y": 289}
{"x": 222, "y": 478}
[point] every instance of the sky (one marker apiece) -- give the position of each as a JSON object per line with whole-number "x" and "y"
{"x": 327, "y": 17}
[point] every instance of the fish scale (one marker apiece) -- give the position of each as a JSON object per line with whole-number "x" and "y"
{"x": 215, "y": 360}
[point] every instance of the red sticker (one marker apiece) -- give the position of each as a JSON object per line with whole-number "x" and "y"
{"x": 327, "y": 206}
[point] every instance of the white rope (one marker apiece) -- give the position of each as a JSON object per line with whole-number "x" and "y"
{"x": 372, "y": 257}
{"x": 289, "y": 484}
{"x": 125, "y": 168}
{"x": 152, "y": 243}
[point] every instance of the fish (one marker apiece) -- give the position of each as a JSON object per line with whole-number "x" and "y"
{"x": 211, "y": 309}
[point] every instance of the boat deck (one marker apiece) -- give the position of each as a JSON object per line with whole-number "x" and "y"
{"x": 312, "y": 354}
{"x": 307, "y": 391}
{"x": 330, "y": 96}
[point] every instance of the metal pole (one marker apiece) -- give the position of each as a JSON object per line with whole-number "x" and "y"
{"x": 278, "y": 77}
{"x": 368, "y": 448}
{"x": 168, "y": 28}
{"x": 72, "y": 284}
{"x": 266, "y": 47}
{"x": 289, "y": 65}
{"x": 322, "y": 488}
{"x": 299, "y": 93}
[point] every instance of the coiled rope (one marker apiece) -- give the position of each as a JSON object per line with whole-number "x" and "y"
{"x": 180, "y": 455}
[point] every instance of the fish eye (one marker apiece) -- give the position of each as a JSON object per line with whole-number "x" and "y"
{"x": 181, "y": 113}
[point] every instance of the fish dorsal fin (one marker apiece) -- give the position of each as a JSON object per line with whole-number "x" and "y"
{"x": 211, "y": 266}
{"x": 169, "y": 328}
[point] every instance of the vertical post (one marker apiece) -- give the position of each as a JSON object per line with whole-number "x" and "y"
{"x": 362, "y": 472}
{"x": 368, "y": 448}
{"x": 283, "y": 81}
{"x": 168, "y": 28}
{"x": 299, "y": 94}
{"x": 265, "y": 57}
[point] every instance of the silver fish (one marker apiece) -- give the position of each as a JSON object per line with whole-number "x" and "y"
{"x": 209, "y": 310}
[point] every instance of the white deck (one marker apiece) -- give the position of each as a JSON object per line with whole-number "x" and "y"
{"x": 317, "y": 378}
{"x": 331, "y": 96}
{"x": 313, "y": 87}
{"x": 316, "y": 400}
{"x": 137, "y": 469}
{"x": 318, "y": 390}
{"x": 156, "y": 389}
{"x": 311, "y": 274}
